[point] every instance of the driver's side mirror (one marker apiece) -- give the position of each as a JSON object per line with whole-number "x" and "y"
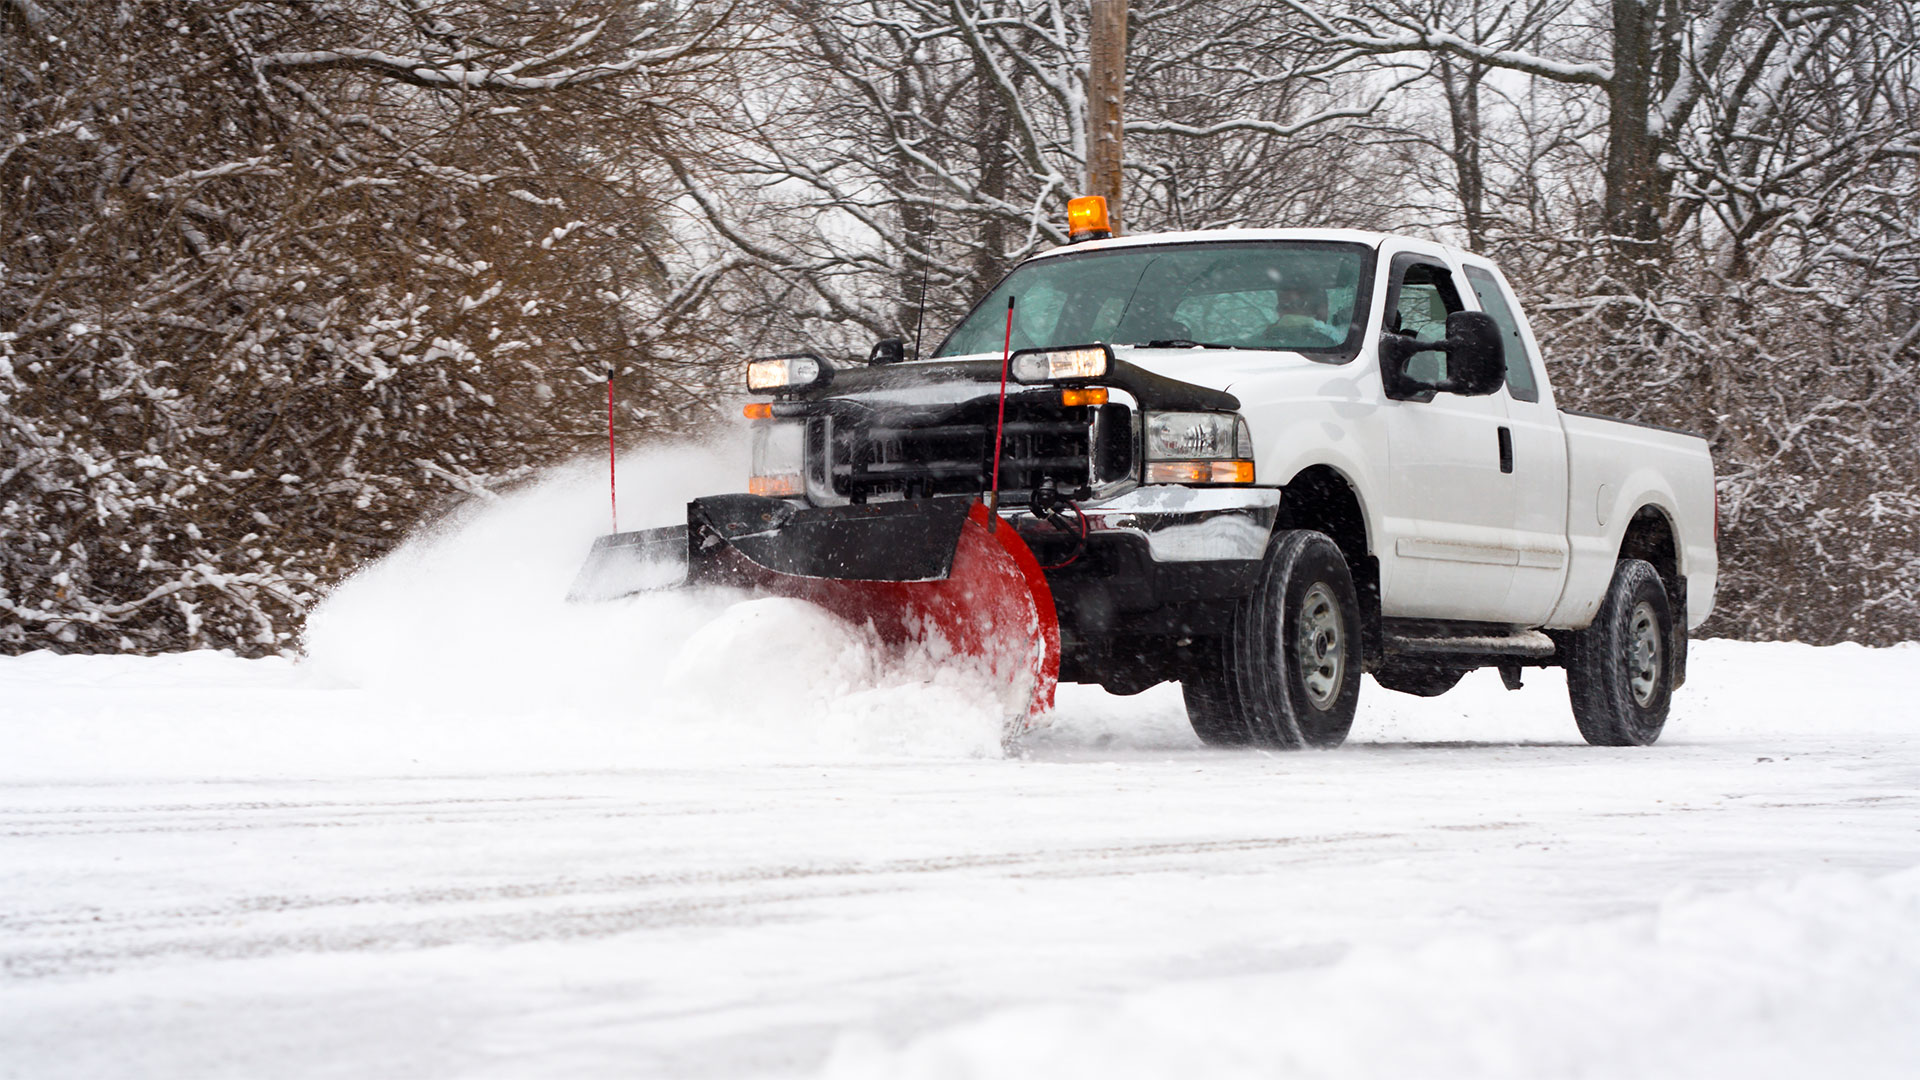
{"x": 1476, "y": 359}
{"x": 888, "y": 351}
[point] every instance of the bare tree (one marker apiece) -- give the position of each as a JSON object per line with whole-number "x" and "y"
{"x": 912, "y": 144}
{"x": 1651, "y": 62}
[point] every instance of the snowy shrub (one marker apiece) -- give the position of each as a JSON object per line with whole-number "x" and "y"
{"x": 281, "y": 279}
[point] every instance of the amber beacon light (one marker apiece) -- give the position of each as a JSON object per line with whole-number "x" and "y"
{"x": 1087, "y": 219}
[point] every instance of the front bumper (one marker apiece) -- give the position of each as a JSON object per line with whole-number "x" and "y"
{"x": 1160, "y": 560}
{"x": 1177, "y": 524}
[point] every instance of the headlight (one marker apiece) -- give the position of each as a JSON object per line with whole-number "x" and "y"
{"x": 1049, "y": 365}
{"x": 784, "y": 373}
{"x": 1198, "y": 448}
{"x": 779, "y": 459}
{"x": 1197, "y": 435}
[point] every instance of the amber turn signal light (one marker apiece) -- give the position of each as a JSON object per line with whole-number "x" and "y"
{"x": 1092, "y": 395}
{"x": 758, "y": 410}
{"x": 775, "y": 487}
{"x": 1233, "y": 472}
{"x": 1087, "y": 219}
{"x": 1199, "y": 472}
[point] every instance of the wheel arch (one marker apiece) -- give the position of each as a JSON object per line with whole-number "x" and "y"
{"x": 1651, "y": 536}
{"x": 1324, "y": 498}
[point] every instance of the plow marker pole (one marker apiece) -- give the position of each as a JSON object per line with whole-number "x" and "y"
{"x": 613, "y": 489}
{"x": 1000, "y": 426}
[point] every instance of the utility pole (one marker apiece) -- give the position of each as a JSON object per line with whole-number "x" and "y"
{"x": 1106, "y": 78}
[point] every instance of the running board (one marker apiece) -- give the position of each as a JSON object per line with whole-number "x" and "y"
{"x": 1525, "y": 643}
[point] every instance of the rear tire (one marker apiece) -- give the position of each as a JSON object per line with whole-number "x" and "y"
{"x": 1287, "y": 673}
{"x": 1619, "y": 673}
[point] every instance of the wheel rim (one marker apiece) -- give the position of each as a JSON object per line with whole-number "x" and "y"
{"x": 1643, "y": 654}
{"x": 1320, "y": 646}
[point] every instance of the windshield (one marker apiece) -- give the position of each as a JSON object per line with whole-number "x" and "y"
{"x": 1302, "y": 296}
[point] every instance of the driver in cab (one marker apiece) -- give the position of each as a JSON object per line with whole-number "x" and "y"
{"x": 1300, "y": 318}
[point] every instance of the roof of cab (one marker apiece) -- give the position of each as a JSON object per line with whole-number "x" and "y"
{"x": 1351, "y": 236}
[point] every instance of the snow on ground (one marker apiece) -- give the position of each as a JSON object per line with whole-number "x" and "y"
{"x": 478, "y": 833}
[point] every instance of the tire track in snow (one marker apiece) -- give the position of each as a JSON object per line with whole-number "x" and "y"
{"x": 71, "y": 941}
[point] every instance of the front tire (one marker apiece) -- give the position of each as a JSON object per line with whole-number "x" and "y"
{"x": 1619, "y": 673}
{"x": 1287, "y": 672}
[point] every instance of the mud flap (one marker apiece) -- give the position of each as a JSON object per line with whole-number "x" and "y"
{"x": 937, "y": 571}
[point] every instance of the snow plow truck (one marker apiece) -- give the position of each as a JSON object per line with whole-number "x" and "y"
{"x": 1255, "y": 462}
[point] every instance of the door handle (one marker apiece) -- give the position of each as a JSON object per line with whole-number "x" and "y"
{"x": 1506, "y": 450}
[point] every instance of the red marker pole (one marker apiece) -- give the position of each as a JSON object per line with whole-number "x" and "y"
{"x": 1000, "y": 423}
{"x": 613, "y": 490}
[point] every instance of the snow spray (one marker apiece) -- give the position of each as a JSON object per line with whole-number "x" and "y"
{"x": 469, "y": 616}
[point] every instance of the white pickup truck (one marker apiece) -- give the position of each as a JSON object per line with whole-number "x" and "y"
{"x": 1261, "y": 462}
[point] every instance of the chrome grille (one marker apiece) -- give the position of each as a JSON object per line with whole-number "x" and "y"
{"x": 1074, "y": 446}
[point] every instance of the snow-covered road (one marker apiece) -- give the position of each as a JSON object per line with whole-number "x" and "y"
{"x": 479, "y": 834}
{"x": 1462, "y": 890}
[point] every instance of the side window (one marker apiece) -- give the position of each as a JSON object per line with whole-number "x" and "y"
{"x": 1493, "y": 301}
{"x": 1424, "y": 297}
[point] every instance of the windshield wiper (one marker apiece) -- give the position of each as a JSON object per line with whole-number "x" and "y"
{"x": 1185, "y": 343}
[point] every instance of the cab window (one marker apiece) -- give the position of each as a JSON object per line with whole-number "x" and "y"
{"x": 1308, "y": 297}
{"x": 1493, "y": 300}
{"x": 1423, "y": 298}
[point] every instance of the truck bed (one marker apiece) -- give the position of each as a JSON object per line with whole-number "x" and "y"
{"x": 1614, "y": 468}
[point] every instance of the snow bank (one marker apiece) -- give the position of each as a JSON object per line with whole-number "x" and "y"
{"x": 1815, "y": 978}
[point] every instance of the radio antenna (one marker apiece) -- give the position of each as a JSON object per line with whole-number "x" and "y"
{"x": 920, "y": 317}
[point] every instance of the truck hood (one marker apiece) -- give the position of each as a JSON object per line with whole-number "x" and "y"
{"x": 927, "y": 389}
{"x": 1214, "y": 368}
{"x": 1233, "y": 371}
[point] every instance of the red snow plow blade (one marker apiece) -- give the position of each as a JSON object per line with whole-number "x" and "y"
{"x": 940, "y": 572}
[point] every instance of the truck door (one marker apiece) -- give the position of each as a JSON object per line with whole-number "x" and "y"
{"x": 1538, "y": 454}
{"x": 1450, "y": 506}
